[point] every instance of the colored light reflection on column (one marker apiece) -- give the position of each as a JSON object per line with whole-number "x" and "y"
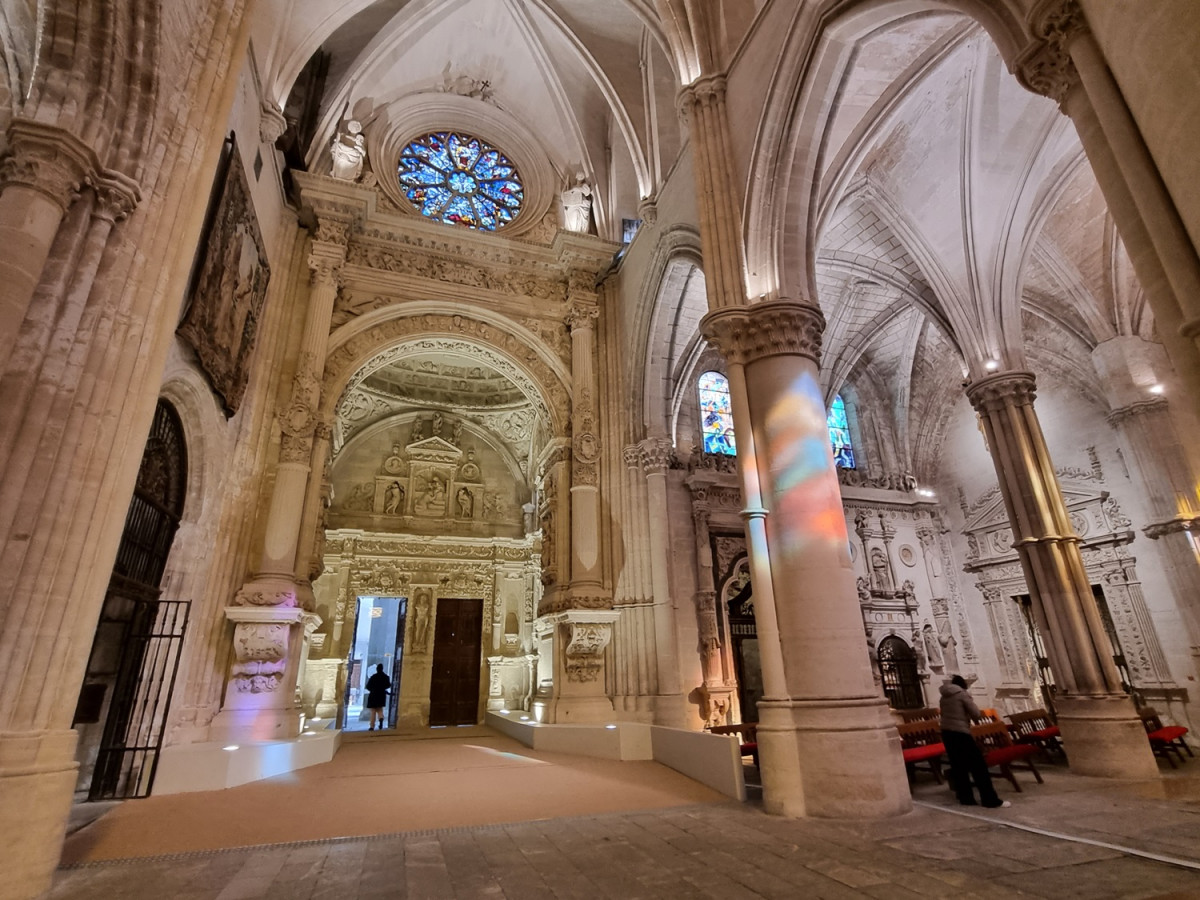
{"x": 807, "y": 504}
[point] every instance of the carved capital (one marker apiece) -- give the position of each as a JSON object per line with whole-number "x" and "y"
{"x": 996, "y": 392}
{"x": 632, "y": 456}
{"x": 706, "y": 91}
{"x": 744, "y": 334}
{"x": 656, "y": 454}
{"x": 582, "y": 315}
{"x": 1045, "y": 67}
{"x": 47, "y": 159}
{"x": 116, "y": 195}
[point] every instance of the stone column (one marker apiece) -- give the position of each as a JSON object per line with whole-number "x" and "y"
{"x": 1067, "y": 64}
{"x": 580, "y": 619}
{"x": 269, "y": 610}
{"x": 669, "y": 705}
{"x": 828, "y": 746}
{"x": 1100, "y": 726}
{"x": 39, "y": 179}
{"x": 1162, "y": 461}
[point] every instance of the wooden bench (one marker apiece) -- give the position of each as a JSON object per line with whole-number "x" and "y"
{"x": 1000, "y": 751}
{"x": 1165, "y": 740}
{"x": 918, "y": 715}
{"x": 1036, "y": 727}
{"x": 747, "y": 733}
{"x": 922, "y": 743}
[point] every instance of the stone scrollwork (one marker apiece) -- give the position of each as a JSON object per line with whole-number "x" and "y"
{"x": 584, "y": 654}
{"x": 1045, "y": 67}
{"x": 264, "y": 598}
{"x": 744, "y": 334}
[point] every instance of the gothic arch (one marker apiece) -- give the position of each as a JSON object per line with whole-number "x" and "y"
{"x": 510, "y": 347}
{"x": 783, "y": 179}
{"x": 676, "y": 263}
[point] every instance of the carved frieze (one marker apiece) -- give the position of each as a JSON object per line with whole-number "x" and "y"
{"x": 584, "y": 653}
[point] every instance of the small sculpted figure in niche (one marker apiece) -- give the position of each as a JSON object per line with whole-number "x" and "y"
{"x": 577, "y": 205}
{"x": 881, "y": 573}
{"x": 457, "y": 434}
{"x": 933, "y": 648}
{"x": 418, "y": 430}
{"x": 349, "y": 152}
{"x": 864, "y": 589}
{"x": 435, "y": 493}
{"x": 436, "y": 427}
{"x": 470, "y": 470}
{"x": 393, "y": 498}
{"x": 466, "y": 503}
{"x": 421, "y": 611}
{"x": 949, "y": 647}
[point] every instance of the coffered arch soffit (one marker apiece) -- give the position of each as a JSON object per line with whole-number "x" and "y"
{"x": 375, "y": 340}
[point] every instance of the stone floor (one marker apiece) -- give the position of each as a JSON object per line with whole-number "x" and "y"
{"x": 1071, "y": 837}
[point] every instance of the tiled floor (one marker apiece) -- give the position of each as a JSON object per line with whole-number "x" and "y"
{"x": 725, "y": 851}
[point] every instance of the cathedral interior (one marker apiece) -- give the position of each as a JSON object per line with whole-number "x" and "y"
{"x": 669, "y": 363}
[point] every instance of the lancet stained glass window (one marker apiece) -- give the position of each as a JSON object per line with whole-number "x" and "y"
{"x": 460, "y": 180}
{"x": 839, "y": 434}
{"x": 716, "y": 415}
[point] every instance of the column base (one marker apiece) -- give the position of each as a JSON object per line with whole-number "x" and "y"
{"x": 674, "y": 711}
{"x": 831, "y": 759}
{"x": 1104, "y": 738}
{"x": 578, "y": 710}
{"x": 37, "y": 782}
{"x": 233, "y": 726}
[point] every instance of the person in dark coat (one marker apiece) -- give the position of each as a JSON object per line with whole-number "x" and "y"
{"x": 966, "y": 759}
{"x": 378, "y": 686}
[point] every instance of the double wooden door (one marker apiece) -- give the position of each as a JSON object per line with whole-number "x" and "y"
{"x": 454, "y": 690}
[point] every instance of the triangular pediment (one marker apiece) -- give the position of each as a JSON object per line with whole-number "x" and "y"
{"x": 989, "y": 512}
{"x": 433, "y": 449}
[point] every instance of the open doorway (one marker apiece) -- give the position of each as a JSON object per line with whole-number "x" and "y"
{"x": 378, "y": 640}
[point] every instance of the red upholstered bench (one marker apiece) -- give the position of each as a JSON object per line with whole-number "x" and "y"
{"x": 1000, "y": 751}
{"x": 747, "y": 734}
{"x": 1165, "y": 740}
{"x": 1036, "y": 727}
{"x": 922, "y": 743}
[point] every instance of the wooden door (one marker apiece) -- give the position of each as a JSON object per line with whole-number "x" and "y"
{"x": 454, "y": 691}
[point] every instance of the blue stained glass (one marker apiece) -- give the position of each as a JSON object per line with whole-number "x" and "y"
{"x": 460, "y": 180}
{"x": 716, "y": 416}
{"x": 839, "y": 434}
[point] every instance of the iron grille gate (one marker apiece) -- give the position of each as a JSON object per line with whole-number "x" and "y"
{"x": 141, "y": 698}
{"x": 136, "y": 651}
{"x": 899, "y": 673}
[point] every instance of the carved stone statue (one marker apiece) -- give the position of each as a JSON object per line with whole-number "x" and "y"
{"x": 933, "y": 649}
{"x": 418, "y": 431}
{"x": 465, "y": 502}
{"x": 881, "y": 571}
{"x": 864, "y": 590}
{"x": 457, "y": 434}
{"x": 393, "y": 498}
{"x": 349, "y": 151}
{"x": 577, "y": 205}
{"x": 421, "y": 612}
{"x": 436, "y": 426}
{"x": 527, "y": 513}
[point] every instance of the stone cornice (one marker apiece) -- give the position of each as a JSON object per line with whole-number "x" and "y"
{"x": 744, "y": 334}
{"x": 1155, "y": 530}
{"x": 1140, "y": 407}
{"x": 995, "y": 392}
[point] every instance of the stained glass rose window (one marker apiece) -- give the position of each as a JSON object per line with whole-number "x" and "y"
{"x": 460, "y": 180}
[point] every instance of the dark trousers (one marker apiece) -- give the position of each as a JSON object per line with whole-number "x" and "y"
{"x": 967, "y": 765}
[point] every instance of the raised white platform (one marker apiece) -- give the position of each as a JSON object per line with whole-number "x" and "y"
{"x": 214, "y": 766}
{"x": 714, "y": 760}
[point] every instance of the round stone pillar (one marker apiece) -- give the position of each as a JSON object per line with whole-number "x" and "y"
{"x": 1100, "y": 727}
{"x": 828, "y": 746}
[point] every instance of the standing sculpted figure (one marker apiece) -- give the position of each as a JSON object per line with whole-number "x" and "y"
{"x": 349, "y": 151}
{"x": 577, "y": 205}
